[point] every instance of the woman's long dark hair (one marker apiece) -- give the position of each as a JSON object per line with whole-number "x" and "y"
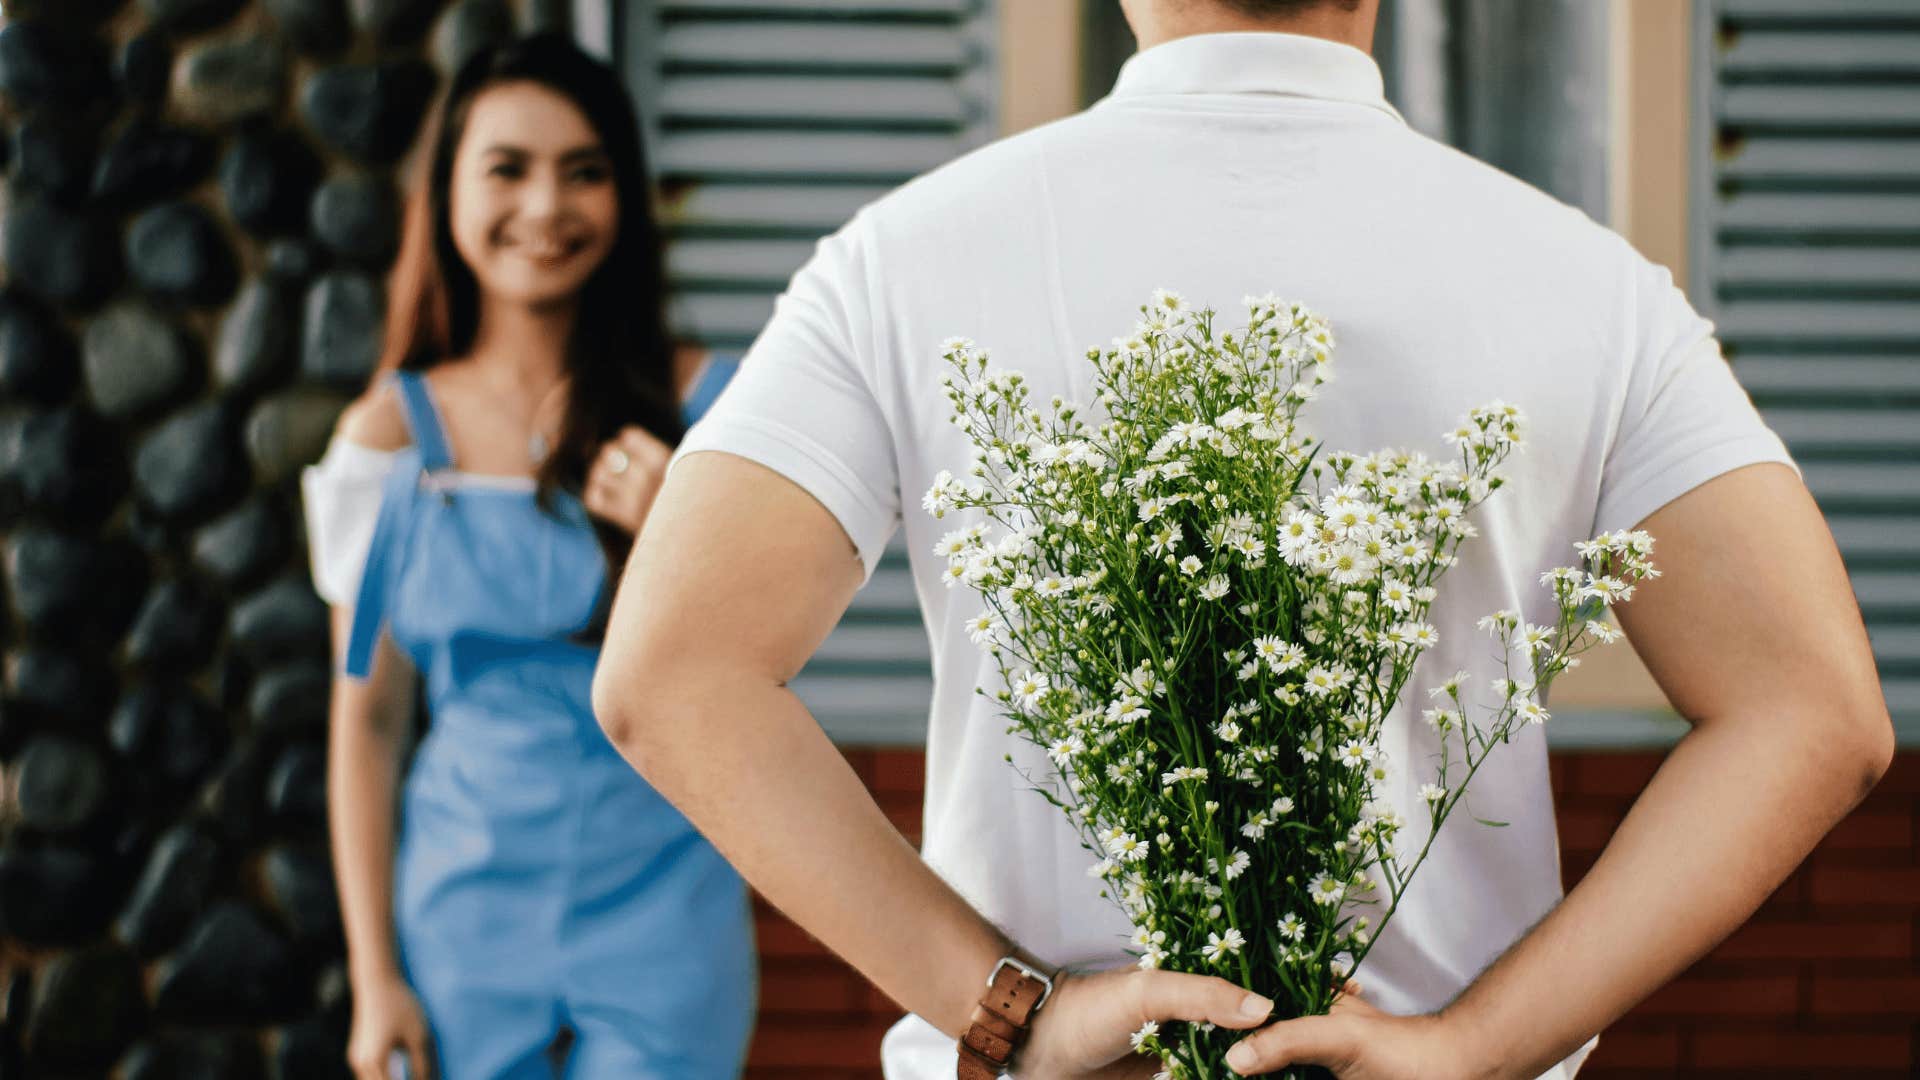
{"x": 619, "y": 358}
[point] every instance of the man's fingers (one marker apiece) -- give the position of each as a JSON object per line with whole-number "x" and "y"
{"x": 1170, "y": 995}
{"x": 1310, "y": 1040}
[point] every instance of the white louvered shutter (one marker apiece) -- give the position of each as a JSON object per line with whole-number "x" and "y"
{"x": 768, "y": 123}
{"x": 1806, "y": 252}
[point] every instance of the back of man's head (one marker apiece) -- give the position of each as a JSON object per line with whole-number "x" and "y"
{"x": 1348, "y": 21}
{"x": 1277, "y": 8}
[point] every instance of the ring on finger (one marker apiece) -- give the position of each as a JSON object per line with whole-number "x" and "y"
{"x": 618, "y": 461}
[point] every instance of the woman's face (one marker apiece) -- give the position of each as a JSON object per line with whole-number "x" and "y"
{"x": 532, "y": 201}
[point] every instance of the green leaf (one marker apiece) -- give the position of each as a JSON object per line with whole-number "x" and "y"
{"x": 1495, "y": 824}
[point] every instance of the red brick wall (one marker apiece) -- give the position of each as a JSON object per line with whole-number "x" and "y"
{"x": 1822, "y": 982}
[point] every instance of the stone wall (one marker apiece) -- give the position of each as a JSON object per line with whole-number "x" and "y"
{"x": 199, "y": 209}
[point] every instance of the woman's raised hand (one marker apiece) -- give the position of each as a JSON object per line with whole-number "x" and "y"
{"x": 625, "y": 476}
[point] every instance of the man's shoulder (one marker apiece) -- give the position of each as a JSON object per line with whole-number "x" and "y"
{"x": 980, "y": 179}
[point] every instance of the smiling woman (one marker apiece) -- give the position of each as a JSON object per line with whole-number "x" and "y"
{"x": 534, "y": 209}
{"x": 466, "y": 522}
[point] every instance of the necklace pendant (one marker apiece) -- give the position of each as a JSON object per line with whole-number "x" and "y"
{"x": 537, "y": 448}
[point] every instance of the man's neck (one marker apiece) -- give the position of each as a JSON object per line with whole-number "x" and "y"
{"x": 1331, "y": 21}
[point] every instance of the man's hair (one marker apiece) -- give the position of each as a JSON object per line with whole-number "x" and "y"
{"x": 1275, "y": 8}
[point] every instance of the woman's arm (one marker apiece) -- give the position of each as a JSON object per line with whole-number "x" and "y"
{"x": 368, "y": 723}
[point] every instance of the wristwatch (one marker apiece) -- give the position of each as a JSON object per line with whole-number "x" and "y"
{"x": 1000, "y": 1021}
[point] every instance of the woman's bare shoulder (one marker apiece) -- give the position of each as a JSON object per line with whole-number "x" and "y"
{"x": 376, "y": 419}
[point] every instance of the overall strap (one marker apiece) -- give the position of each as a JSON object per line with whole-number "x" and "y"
{"x": 376, "y": 580}
{"x": 423, "y": 421}
{"x": 714, "y": 377}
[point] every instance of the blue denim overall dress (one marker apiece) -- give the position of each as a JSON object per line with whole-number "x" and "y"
{"x": 540, "y": 881}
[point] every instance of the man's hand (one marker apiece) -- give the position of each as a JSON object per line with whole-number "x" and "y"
{"x": 1085, "y": 1029}
{"x": 1356, "y": 1041}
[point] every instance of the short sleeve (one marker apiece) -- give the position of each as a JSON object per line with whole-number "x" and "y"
{"x": 803, "y": 402}
{"x": 342, "y": 496}
{"x": 1685, "y": 418}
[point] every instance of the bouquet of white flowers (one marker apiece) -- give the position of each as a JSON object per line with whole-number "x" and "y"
{"x": 1207, "y": 650}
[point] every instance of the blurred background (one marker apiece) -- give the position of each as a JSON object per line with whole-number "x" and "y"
{"x": 200, "y": 202}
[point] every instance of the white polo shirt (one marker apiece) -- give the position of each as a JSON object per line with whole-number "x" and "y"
{"x": 1224, "y": 165}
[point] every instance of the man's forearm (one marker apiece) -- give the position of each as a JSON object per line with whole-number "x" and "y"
{"x": 747, "y": 764}
{"x": 1730, "y": 814}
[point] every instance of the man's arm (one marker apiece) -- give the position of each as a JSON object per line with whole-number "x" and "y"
{"x": 1754, "y": 635}
{"x": 735, "y": 581}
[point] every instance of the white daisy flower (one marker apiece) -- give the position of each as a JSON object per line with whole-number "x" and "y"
{"x": 1221, "y": 946}
{"x": 1147, "y": 1031}
{"x": 1325, "y": 890}
{"x": 1292, "y": 927}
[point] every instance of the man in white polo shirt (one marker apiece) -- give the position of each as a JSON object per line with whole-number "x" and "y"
{"x": 1248, "y": 149}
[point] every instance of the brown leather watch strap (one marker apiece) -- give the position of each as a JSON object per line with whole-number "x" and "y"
{"x": 1000, "y": 1021}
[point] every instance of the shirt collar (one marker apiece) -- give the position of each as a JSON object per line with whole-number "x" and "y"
{"x": 1256, "y": 62}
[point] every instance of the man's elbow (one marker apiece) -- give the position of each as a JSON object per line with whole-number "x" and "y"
{"x": 1879, "y": 744}
{"x": 617, "y": 707}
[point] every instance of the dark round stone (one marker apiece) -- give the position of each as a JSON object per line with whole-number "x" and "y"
{"x": 37, "y": 357}
{"x": 178, "y": 254}
{"x": 176, "y": 628}
{"x": 368, "y": 111}
{"x": 193, "y": 1055}
{"x": 191, "y": 464}
{"x": 341, "y": 336}
{"x": 259, "y": 338}
{"x": 136, "y": 360}
{"x": 167, "y": 734}
{"x": 292, "y": 699}
{"x": 151, "y": 532}
{"x": 65, "y": 465}
{"x": 219, "y": 82}
{"x": 70, "y": 587}
{"x": 356, "y": 215}
{"x": 300, "y": 888}
{"x": 180, "y": 877}
{"x": 242, "y": 546}
{"x": 316, "y": 27}
{"x": 67, "y": 690}
{"x": 42, "y": 63}
{"x": 55, "y": 895}
{"x": 53, "y": 157}
{"x": 311, "y": 1049}
{"x": 267, "y": 179}
{"x": 149, "y": 162}
{"x": 233, "y": 969}
{"x": 76, "y": 13}
{"x": 284, "y": 621}
{"x": 395, "y": 22}
{"x": 69, "y": 257}
{"x": 90, "y": 1005}
{"x": 144, "y": 68}
{"x": 297, "y": 787}
{"x": 471, "y": 26}
{"x": 236, "y": 800}
{"x": 290, "y": 431}
{"x": 186, "y": 16}
{"x": 18, "y": 1002}
{"x": 62, "y": 784}
{"x": 292, "y": 262}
